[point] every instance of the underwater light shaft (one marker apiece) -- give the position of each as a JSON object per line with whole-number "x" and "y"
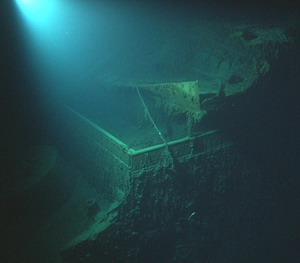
{"x": 37, "y": 12}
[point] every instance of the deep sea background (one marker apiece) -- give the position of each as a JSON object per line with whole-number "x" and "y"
{"x": 267, "y": 123}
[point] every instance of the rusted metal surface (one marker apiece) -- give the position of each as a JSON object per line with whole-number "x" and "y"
{"x": 142, "y": 159}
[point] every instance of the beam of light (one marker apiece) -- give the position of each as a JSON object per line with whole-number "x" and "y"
{"x": 38, "y": 13}
{"x": 66, "y": 42}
